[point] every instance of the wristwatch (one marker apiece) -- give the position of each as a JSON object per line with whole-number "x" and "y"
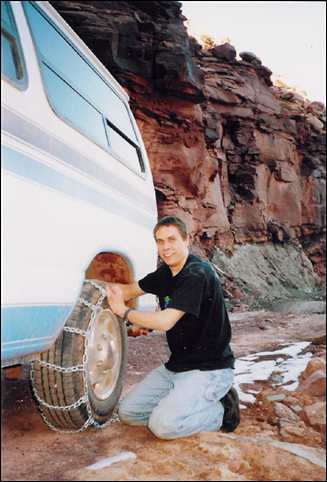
{"x": 125, "y": 315}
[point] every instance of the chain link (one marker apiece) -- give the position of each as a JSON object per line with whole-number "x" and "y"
{"x": 75, "y": 331}
{"x": 62, "y": 430}
{"x": 85, "y": 398}
{"x": 79, "y": 402}
{"x": 89, "y": 305}
{"x": 58, "y": 368}
{"x": 99, "y": 287}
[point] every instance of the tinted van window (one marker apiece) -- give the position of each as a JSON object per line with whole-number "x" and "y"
{"x": 74, "y": 108}
{"x": 91, "y": 97}
{"x": 12, "y": 64}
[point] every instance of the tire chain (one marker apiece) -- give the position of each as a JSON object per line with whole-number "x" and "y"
{"x": 84, "y": 399}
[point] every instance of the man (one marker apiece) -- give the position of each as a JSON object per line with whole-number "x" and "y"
{"x": 192, "y": 391}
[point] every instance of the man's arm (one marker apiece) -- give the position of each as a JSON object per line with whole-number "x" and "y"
{"x": 130, "y": 290}
{"x": 158, "y": 320}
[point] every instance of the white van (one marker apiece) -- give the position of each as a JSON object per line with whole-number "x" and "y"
{"x": 78, "y": 209}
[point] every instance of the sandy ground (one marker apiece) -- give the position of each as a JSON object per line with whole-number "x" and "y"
{"x": 30, "y": 451}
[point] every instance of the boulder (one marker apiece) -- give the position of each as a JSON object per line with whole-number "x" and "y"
{"x": 316, "y": 108}
{"x": 314, "y": 385}
{"x": 224, "y": 52}
{"x": 315, "y": 122}
{"x": 285, "y": 413}
{"x": 288, "y": 431}
{"x": 251, "y": 58}
{"x": 315, "y": 364}
{"x": 315, "y": 415}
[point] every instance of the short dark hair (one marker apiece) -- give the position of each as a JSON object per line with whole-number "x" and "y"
{"x": 171, "y": 221}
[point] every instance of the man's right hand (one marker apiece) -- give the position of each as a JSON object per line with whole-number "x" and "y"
{"x": 129, "y": 290}
{"x": 116, "y": 300}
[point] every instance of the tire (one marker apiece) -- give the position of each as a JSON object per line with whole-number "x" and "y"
{"x": 103, "y": 356}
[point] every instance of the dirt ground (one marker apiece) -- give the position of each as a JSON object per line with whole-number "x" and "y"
{"x": 30, "y": 451}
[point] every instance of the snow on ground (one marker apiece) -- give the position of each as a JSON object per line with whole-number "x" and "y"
{"x": 252, "y": 368}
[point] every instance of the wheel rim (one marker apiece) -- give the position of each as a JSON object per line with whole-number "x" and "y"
{"x": 104, "y": 354}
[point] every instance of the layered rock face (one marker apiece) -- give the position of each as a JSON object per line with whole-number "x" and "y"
{"x": 241, "y": 161}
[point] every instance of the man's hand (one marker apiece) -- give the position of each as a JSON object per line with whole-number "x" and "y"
{"x": 115, "y": 299}
{"x": 130, "y": 290}
{"x": 159, "y": 320}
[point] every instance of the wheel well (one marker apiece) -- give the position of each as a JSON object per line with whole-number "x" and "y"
{"x": 109, "y": 267}
{"x": 114, "y": 268}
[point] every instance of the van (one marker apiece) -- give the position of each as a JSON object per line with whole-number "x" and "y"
{"x": 78, "y": 209}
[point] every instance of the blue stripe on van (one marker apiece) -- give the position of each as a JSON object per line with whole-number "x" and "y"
{"x": 34, "y": 170}
{"x": 24, "y": 130}
{"x": 30, "y": 329}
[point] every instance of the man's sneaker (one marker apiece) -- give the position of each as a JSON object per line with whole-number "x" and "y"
{"x": 232, "y": 417}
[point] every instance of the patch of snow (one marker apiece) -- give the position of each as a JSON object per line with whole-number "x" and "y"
{"x": 250, "y": 369}
{"x": 112, "y": 460}
{"x": 291, "y": 350}
{"x": 313, "y": 454}
{"x": 292, "y": 369}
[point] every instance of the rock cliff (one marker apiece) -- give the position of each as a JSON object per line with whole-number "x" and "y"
{"x": 240, "y": 160}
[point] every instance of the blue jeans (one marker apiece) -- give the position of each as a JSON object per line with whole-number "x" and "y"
{"x": 176, "y": 405}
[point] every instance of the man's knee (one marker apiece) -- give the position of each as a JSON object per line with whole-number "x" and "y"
{"x": 127, "y": 414}
{"x": 162, "y": 426}
{"x": 123, "y": 414}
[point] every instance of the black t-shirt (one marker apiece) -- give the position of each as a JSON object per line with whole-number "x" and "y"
{"x": 200, "y": 339}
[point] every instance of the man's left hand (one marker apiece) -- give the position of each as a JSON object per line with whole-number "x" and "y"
{"x": 115, "y": 299}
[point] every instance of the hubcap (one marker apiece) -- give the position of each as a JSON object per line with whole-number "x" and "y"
{"x": 104, "y": 354}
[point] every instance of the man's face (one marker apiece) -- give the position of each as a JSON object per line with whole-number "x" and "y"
{"x": 172, "y": 248}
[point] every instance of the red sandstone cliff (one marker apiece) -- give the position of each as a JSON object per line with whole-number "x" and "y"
{"x": 240, "y": 160}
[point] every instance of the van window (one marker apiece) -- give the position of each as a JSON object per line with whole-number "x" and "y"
{"x": 12, "y": 64}
{"x": 124, "y": 146}
{"x": 87, "y": 102}
{"x": 67, "y": 102}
